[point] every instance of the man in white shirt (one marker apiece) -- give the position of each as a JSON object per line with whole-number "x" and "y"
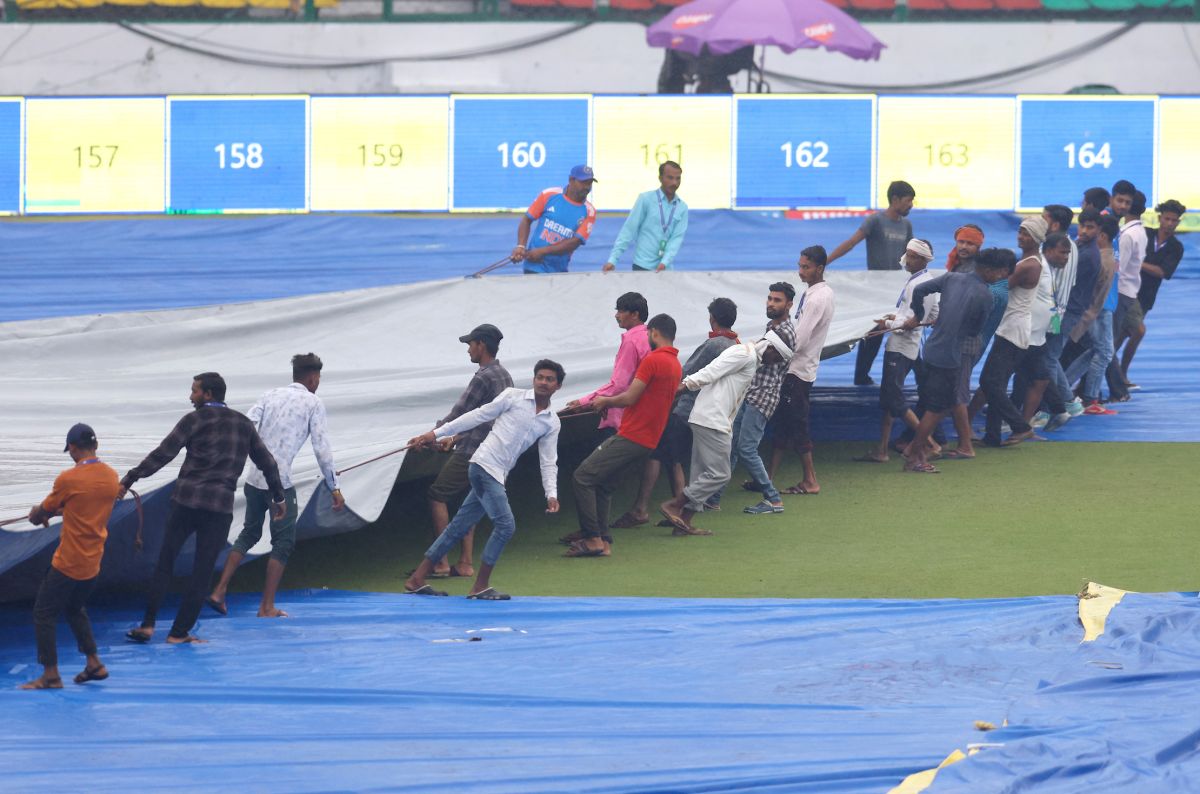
{"x": 902, "y": 349}
{"x": 520, "y": 417}
{"x": 285, "y": 418}
{"x": 722, "y": 385}
{"x": 1128, "y": 316}
{"x": 812, "y": 325}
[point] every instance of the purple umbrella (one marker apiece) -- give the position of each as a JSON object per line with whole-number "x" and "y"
{"x": 727, "y": 25}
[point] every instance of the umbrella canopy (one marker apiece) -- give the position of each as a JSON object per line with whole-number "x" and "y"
{"x": 726, "y": 25}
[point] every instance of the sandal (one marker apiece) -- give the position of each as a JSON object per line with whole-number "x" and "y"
{"x": 490, "y": 594}
{"x": 578, "y": 549}
{"x": 922, "y": 468}
{"x": 868, "y": 458}
{"x": 954, "y": 454}
{"x": 681, "y": 527}
{"x": 800, "y": 490}
{"x": 92, "y": 674}
{"x": 628, "y": 521}
{"x": 570, "y": 540}
{"x": 424, "y": 590}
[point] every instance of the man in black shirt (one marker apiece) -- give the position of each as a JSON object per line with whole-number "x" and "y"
{"x": 218, "y": 439}
{"x": 1163, "y": 254}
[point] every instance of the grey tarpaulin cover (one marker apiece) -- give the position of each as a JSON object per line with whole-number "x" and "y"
{"x": 393, "y": 366}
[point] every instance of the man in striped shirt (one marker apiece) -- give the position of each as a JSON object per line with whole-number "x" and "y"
{"x": 218, "y": 440}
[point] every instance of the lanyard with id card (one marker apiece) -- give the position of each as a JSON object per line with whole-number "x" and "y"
{"x": 666, "y": 224}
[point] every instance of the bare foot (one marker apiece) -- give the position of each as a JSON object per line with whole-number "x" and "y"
{"x": 43, "y": 682}
{"x": 184, "y": 640}
{"x": 272, "y": 613}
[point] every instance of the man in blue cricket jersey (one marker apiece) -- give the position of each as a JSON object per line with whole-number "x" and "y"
{"x": 557, "y": 222}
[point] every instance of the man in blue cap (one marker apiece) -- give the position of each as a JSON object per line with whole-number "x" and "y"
{"x": 557, "y": 222}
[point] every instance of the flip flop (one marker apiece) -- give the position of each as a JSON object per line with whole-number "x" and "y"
{"x": 424, "y": 590}
{"x": 749, "y": 485}
{"x": 573, "y": 538}
{"x": 867, "y": 459}
{"x": 133, "y": 635}
{"x": 922, "y": 468}
{"x": 92, "y": 674}
{"x": 665, "y": 523}
{"x": 681, "y": 532}
{"x": 490, "y": 594}
{"x": 440, "y": 574}
{"x": 454, "y": 573}
{"x": 682, "y": 527}
{"x": 800, "y": 490}
{"x": 627, "y": 521}
{"x": 216, "y": 606}
{"x": 954, "y": 454}
{"x": 579, "y": 550}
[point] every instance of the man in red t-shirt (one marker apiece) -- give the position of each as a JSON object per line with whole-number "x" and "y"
{"x": 648, "y": 403}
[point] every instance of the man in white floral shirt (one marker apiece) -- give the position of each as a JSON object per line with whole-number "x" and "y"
{"x": 285, "y": 417}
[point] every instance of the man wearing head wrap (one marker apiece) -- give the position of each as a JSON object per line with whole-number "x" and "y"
{"x": 903, "y": 347}
{"x": 968, "y": 240}
{"x": 1013, "y": 337}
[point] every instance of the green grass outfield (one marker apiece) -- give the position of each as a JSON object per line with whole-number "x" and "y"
{"x": 1042, "y": 518}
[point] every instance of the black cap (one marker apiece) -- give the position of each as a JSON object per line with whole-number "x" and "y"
{"x": 80, "y": 435}
{"x": 483, "y": 333}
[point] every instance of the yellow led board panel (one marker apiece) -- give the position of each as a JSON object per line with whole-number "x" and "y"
{"x": 956, "y": 152}
{"x": 1178, "y": 155}
{"x": 632, "y": 135}
{"x": 94, "y": 155}
{"x": 379, "y": 153}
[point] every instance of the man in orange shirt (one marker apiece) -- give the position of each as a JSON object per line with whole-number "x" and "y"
{"x": 84, "y": 496}
{"x": 648, "y": 402}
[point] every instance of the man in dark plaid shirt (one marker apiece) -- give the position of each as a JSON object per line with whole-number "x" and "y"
{"x": 762, "y": 399}
{"x": 218, "y": 439}
{"x": 483, "y": 343}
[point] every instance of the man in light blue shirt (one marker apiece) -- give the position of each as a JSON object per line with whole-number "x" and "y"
{"x": 522, "y": 417}
{"x": 656, "y": 225}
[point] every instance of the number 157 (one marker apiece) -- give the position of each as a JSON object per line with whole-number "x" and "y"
{"x": 101, "y": 156}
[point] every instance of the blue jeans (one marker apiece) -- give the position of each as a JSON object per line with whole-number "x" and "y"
{"x": 488, "y": 497}
{"x": 1058, "y": 376}
{"x": 748, "y": 430}
{"x": 1102, "y": 353}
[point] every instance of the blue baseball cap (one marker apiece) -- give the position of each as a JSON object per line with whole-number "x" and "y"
{"x": 583, "y": 173}
{"x": 80, "y": 435}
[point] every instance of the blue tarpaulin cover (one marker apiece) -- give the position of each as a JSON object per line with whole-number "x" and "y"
{"x": 377, "y": 692}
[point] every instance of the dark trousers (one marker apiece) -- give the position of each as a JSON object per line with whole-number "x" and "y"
{"x": 598, "y": 476}
{"x": 212, "y": 532}
{"x": 997, "y": 370}
{"x": 868, "y": 349}
{"x": 906, "y": 435}
{"x": 61, "y": 594}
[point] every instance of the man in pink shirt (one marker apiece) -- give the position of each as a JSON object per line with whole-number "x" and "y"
{"x": 632, "y": 312}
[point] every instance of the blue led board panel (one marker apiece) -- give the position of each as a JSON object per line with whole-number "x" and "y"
{"x": 800, "y": 151}
{"x": 509, "y": 149}
{"x": 10, "y": 156}
{"x": 232, "y": 154}
{"x": 1071, "y": 144}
